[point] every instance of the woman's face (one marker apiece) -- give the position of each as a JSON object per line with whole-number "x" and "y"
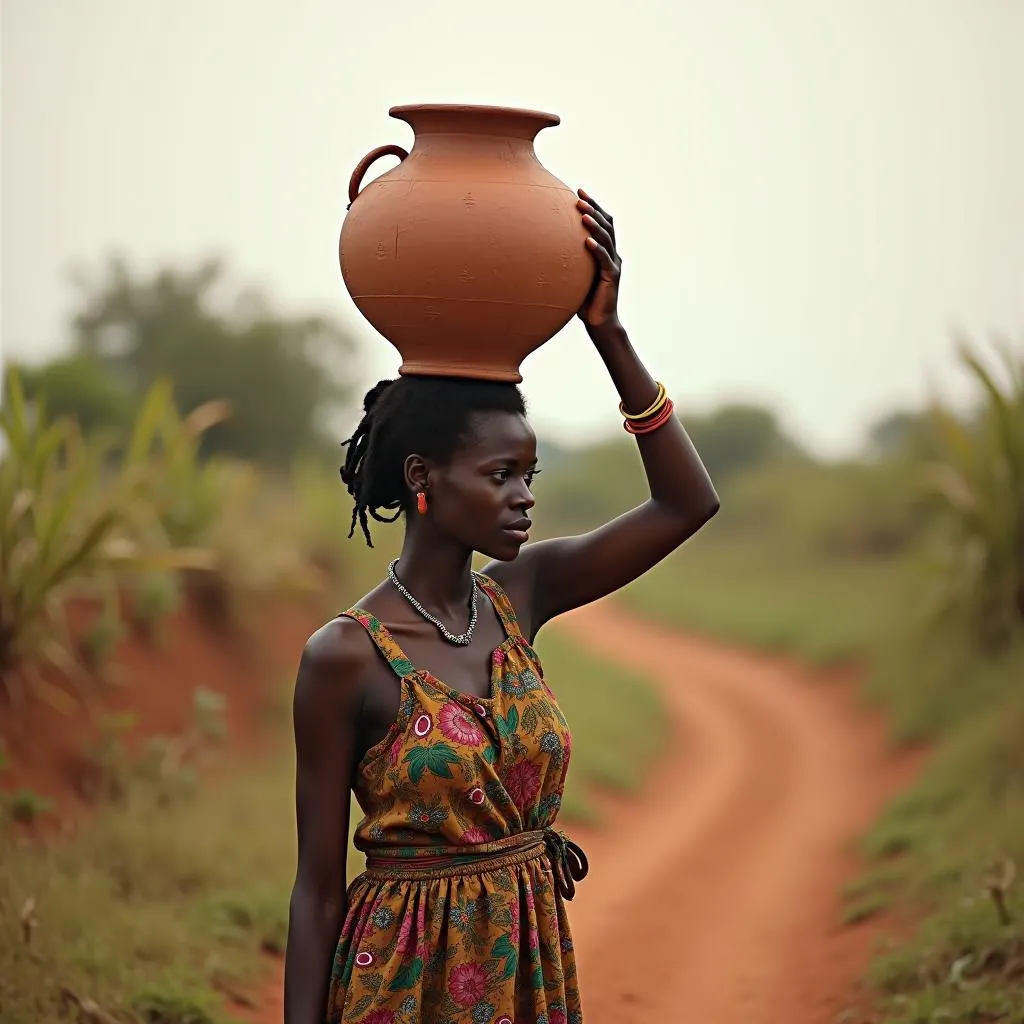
{"x": 482, "y": 496}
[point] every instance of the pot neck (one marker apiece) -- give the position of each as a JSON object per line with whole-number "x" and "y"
{"x": 485, "y": 122}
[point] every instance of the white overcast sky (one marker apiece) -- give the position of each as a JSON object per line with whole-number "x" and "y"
{"x": 809, "y": 193}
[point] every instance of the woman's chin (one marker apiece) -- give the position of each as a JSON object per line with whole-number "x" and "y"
{"x": 507, "y": 550}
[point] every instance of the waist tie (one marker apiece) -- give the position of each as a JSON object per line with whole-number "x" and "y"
{"x": 412, "y": 863}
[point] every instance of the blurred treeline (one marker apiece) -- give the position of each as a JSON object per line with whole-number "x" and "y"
{"x": 285, "y": 377}
{"x": 237, "y": 409}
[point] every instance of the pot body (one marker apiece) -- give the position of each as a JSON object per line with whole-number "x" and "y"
{"x": 469, "y": 254}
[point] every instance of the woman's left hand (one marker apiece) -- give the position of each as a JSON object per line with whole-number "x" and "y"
{"x": 599, "y": 311}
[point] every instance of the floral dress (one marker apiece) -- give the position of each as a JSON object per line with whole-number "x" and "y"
{"x": 459, "y": 917}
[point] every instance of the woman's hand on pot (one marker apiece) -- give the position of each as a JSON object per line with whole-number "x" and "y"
{"x": 599, "y": 311}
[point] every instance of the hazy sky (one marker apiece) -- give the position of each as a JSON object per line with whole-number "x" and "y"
{"x": 809, "y": 193}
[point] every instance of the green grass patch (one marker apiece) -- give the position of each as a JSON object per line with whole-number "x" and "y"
{"x": 746, "y": 591}
{"x": 947, "y": 851}
{"x": 617, "y": 720}
{"x": 150, "y": 909}
{"x": 803, "y": 559}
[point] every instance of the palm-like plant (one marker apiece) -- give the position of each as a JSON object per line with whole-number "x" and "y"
{"x": 977, "y": 489}
{"x": 73, "y": 512}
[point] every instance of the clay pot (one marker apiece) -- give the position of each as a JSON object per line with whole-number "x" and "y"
{"x": 469, "y": 254}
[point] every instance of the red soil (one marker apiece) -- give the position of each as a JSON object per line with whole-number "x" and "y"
{"x": 46, "y": 749}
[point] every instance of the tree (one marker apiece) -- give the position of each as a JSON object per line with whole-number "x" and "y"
{"x": 903, "y": 433}
{"x": 737, "y": 436}
{"x": 283, "y": 376}
{"x": 81, "y": 386}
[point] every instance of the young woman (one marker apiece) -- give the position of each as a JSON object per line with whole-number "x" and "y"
{"x": 428, "y": 701}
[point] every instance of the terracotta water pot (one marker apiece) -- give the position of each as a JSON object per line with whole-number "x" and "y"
{"x": 469, "y": 254}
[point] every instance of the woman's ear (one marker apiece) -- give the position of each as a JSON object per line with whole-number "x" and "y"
{"x": 417, "y": 474}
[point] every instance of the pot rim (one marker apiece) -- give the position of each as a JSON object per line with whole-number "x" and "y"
{"x": 542, "y": 117}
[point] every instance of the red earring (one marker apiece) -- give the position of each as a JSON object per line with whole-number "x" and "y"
{"x": 421, "y": 502}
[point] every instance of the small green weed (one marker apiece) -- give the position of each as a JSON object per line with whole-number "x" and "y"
{"x": 26, "y": 806}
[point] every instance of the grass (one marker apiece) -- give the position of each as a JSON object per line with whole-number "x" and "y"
{"x": 146, "y": 909}
{"x": 944, "y": 851}
{"x": 617, "y": 721}
{"x": 156, "y": 910}
{"x": 767, "y": 578}
{"x": 802, "y": 559}
{"x": 745, "y": 590}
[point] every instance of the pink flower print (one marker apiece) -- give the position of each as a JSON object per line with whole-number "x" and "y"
{"x": 468, "y": 984}
{"x": 522, "y": 781}
{"x": 405, "y": 934}
{"x": 396, "y": 749}
{"x": 531, "y": 904}
{"x": 557, "y": 1017}
{"x": 499, "y": 656}
{"x": 474, "y": 835}
{"x": 456, "y": 724}
{"x": 476, "y": 796}
{"x": 388, "y": 1017}
{"x": 404, "y": 945}
{"x": 422, "y": 725}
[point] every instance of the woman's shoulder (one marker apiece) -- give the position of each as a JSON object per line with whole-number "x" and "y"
{"x": 339, "y": 653}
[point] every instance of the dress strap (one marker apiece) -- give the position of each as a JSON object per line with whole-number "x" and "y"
{"x": 502, "y": 605}
{"x": 386, "y": 643}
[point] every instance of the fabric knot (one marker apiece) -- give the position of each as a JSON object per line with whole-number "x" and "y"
{"x": 568, "y": 862}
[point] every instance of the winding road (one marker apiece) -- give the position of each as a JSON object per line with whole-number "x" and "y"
{"x": 714, "y": 894}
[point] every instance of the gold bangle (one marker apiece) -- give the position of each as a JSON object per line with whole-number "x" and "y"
{"x": 652, "y": 410}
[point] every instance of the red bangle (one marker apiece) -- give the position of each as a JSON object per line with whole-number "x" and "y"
{"x": 660, "y": 420}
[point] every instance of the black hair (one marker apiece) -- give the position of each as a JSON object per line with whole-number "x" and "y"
{"x": 425, "y": 415}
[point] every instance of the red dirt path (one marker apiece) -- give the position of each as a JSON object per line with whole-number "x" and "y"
{"x": 713, "y": 896}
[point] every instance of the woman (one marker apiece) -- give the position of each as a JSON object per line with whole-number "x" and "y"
{"x": 441, "y": 721}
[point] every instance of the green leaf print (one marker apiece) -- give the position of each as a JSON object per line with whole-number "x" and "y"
{"x": 407, "y": 976}
{"x": 507, "y": 726}
{"x": 511, "y": 966}
{"x": 538, "y": 978}
{"x": 403, "y": 666}
{"x": 504, "y": 949}
{"x": 436, "y": 758}
{"x": 490, "y": 755}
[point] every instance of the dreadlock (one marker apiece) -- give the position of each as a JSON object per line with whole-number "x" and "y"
{"x": 428, "y": 416}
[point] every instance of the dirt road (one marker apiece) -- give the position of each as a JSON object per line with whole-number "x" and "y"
{"x": 713, "y": 896}
{"x": 716, "y": 898}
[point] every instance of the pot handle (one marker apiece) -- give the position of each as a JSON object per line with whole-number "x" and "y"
{"x": 356, "y": 181}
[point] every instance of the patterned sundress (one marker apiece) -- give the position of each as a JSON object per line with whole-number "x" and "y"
{"x": 459, "y": 917}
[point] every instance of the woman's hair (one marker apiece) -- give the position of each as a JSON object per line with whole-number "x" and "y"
{"x": 428, "y": 416}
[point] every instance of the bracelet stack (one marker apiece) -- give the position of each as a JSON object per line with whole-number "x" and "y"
{"x": 656, "y": 415}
